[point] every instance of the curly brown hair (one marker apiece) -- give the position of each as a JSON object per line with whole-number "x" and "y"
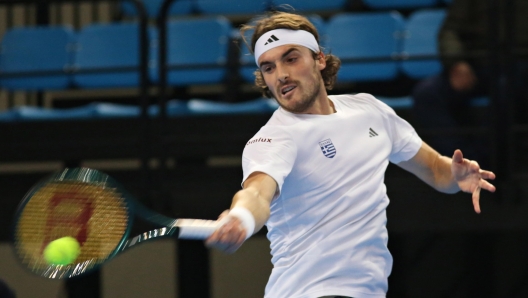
{"x": 285, "y": 20}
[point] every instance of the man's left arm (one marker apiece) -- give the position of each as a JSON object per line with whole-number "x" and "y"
{"x": 449, "y": 175}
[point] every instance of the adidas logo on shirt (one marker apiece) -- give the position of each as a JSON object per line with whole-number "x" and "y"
{"x": 372, "y": 133}
{"x": 271, "y": 39}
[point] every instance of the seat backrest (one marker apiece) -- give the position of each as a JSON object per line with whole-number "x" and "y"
{"x": 403, "y": 4}
{"x": 231, "y": 7}
{"x": 47, "y": 52}
{"x": 320, "y": 25}
{"x": 177, "y": 8}
{"x": 106, "y": 50}
{"x": 311, "y": 5}
{"x": 247, "y": 59}
{"x": 197, "y": 50}
{"x": 421, "y": 39}
{"x": 366, "y": 44}
{"x": 260, "y": 105}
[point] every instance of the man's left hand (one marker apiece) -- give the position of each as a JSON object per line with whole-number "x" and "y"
{"x": 470, "y": 177}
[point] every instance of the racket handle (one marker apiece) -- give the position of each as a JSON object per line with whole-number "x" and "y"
{"x": 198, "y": 229}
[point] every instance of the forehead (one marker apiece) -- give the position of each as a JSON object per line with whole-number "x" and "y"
{"x": 277, "y": 52}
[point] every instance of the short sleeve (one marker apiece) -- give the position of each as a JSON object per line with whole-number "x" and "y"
{"x": 271, "y": 151}
{"x": 405, "y": 140}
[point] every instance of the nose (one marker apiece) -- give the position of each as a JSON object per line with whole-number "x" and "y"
{"x": 283, "y": 74}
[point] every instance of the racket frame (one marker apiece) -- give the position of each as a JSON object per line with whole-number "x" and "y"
{"x": 193, "y": 229}
{"x": 88, "y": 176}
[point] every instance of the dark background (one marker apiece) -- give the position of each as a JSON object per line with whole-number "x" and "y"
{"x": 441, "y": 248}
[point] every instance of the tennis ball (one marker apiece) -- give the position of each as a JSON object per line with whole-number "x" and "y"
{"x": 62, "y": 251}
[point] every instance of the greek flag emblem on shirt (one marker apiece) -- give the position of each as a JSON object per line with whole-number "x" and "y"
{"x": 327, "y": 148}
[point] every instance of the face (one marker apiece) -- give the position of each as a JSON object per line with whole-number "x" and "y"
{"x": 293, "y": 77}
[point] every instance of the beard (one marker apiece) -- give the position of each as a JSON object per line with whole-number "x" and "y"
{"x": 307, "y": 99}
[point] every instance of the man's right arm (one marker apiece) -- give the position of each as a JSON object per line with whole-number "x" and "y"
{"x": 256, "y": 196}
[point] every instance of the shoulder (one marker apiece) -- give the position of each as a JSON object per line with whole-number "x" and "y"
{"x": 358, "y": 98}
{"x": 362, "y": 101}
{"x": 269, "y": 133}
{"x": 281, "y": 119}
{"x": 271, "y": 142}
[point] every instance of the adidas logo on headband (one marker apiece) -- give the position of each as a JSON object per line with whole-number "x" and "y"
{"x": 271, "y": 39}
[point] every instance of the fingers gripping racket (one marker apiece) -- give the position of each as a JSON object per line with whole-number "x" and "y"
{"x": 94, "y": 209}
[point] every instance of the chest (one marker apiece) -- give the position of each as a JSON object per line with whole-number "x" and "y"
{"x": 351, "y": 141}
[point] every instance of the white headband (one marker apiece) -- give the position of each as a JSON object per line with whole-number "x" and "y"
{"x": 280, "y": 37}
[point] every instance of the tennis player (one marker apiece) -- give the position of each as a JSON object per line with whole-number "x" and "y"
{"x": 314, "y": 173}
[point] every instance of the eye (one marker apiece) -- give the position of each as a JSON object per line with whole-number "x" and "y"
{"x": 266, "y": 68}
{"x": 291, "y": 59}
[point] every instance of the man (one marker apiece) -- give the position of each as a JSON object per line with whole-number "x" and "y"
{"x": 314, "y": 173}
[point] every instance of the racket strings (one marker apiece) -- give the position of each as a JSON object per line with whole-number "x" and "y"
{"x": 94, "y": 214}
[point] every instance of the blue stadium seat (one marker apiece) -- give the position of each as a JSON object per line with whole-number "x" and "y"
{"x": 112, "y": 110}
{"x": 174, "y": 107}
{"x": 372, "y": 36}
{"x": 480, "y": 102}
{"x": 320, "y": 25}
{"x": 177, "y": 8}
{"x": 407, "y": 102}
{"x": 231, "y": 7}
{"x": 37, "y": 49}
{"x": 261, "y": 105}
{"x": 91, "y": 111}
{"x": 397, "y": 103}
{"x": 402, "y": 4}
{"x": 311, "y": 5}
{"x": 30, "y": 113}
{"x": 247, "y": 60}
{"x": 103, "y": 48}
{"x": 197, "y": 50}
{"x": 421, "y": 40}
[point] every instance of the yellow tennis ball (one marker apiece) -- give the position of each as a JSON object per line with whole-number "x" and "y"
{"x": 62, "y": 251}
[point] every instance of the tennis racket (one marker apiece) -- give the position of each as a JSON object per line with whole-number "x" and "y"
{"x": 93, "y": 208}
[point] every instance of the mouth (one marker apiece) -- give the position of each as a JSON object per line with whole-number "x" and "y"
{"x": 287, "y": 89}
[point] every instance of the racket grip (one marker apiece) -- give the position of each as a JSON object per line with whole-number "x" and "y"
{"x": 197, "y": 229}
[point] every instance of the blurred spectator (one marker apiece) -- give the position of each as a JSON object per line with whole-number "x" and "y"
{"x": 443, "y": 101}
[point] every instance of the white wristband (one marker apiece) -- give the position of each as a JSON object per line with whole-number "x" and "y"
{"x": 246, "y": 217}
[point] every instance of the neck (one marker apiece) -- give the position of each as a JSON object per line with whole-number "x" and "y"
{"x": 322, "y": 105}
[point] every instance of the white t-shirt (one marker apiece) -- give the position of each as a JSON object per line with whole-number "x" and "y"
{"x": 327, "y": 226}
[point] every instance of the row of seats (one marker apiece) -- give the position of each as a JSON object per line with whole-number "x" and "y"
{"x": 174, "y": 108}
{"x": 233, "y": 7}
{"x": 378, "y": 46}
{"x": 372, "y": 45}
{"x": 108, "y": 55}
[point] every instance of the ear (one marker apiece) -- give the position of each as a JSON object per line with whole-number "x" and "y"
{"x": 321, "y": 61}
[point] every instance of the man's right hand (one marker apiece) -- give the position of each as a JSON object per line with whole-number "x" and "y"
{"x": 229, "y": 236}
